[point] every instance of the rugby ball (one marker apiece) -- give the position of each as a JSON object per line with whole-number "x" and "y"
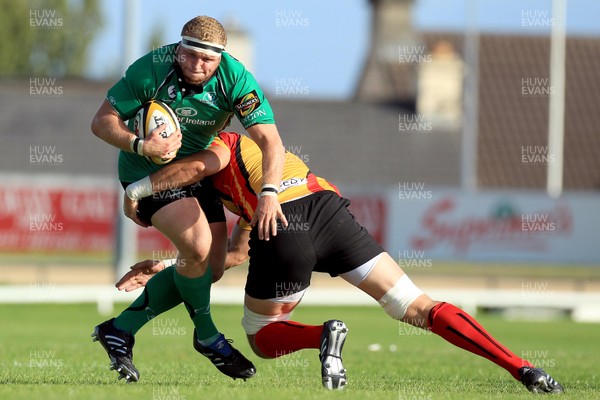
{"x": 151, "y": 115}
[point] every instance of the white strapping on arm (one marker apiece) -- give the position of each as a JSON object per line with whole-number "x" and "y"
{"x": 140, "y": 189}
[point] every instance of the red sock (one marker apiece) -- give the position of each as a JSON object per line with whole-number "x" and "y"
{"x": 284, "y": 337}
{"x": 460, "y": 329}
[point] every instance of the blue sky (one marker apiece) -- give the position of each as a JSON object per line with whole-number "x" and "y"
{"x": 323, "y": 52}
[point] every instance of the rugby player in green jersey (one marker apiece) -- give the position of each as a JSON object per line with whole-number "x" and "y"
{"x": 205, "y": 86}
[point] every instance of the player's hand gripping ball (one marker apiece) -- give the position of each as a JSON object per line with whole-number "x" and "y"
{"x": 153, "y": 114}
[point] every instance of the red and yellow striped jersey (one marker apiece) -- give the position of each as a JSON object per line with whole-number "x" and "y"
{"x": 241, "y": 180}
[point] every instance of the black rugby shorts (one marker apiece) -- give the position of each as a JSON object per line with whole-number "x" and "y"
{"x": 203, "y": 191}
{"x": 322, "y": 236}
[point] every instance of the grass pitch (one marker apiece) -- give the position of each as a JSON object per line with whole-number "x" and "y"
{"x": 46, "y": 353}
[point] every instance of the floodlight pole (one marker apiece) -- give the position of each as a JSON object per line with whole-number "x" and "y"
{"x": 556, "y": 119}
{"x": 470, "y": 123}
{"x": 126, "y": 230}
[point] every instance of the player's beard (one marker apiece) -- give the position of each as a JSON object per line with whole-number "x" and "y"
{"x": 191, "y": 78}
{"x": 195, "y": 78}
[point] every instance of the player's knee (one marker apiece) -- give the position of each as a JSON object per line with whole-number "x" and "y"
{"x": 398, "y": 299}
{"x": 254, "y": 347}
{"x": 200, "y": 250}
{"x": 254, "y": 322}
{"x": 194, "y": 256}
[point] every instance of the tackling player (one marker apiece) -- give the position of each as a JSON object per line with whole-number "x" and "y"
{"x": 205, "y": 86}
{"x": 324, "y": 237}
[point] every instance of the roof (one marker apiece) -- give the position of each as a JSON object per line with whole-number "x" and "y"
{"x": 514, "y": 93}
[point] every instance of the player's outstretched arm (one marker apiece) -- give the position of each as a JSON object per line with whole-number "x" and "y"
{"x": 237, "y": 253}
{"x": 237, "y": 248}
{"x": 218, "y": 250}
{"x": 130, "y": 209}
{"x": 190, "y": 169}
{"x": 180, "y": 173}
{"x": 140, "y": 274}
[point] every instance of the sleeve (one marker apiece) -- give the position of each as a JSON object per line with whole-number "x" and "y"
{"x": 249, "y": 102}
{"x": 218, "y": 141}
{"x": 133, "y": 89}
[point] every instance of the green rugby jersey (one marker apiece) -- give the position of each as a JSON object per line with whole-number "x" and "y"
{"x": 202, "y": 112}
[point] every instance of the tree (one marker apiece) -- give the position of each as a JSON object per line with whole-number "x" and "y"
{"x": 156, "y": 38}
{"x": 47, "y": 37}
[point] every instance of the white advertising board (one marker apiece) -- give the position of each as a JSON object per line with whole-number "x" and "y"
{"x": 508, "y": 226}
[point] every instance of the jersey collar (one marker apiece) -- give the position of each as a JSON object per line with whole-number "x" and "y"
{"x": 187, "y": 89}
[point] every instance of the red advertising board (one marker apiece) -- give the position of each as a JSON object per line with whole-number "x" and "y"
{"x": 41, "y": 218}
{"x": 371, "y": 212}
{"x": 63, "y": 219}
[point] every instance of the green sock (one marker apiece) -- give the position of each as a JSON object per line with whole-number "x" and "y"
{"x": 160, "y": 295}
{"x": 196, "y": 296}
